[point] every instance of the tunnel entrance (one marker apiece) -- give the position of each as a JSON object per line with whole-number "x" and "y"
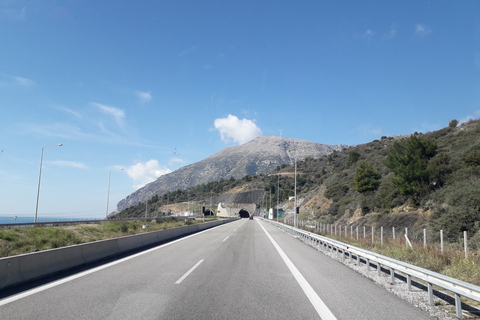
{"x": 244, "y": 214}
{"x": 208, "y": 212}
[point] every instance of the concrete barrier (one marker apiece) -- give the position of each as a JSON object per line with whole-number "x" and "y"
{"x": 10, "y": 272}
{"x": 43, "y": 263}
{"x": 23, "y": 268}
{"x": 129, "y": 243}
{"x": 98, "y": 250}
{"x": 149, "y": 238}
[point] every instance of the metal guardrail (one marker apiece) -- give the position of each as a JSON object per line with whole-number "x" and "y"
{"x": 458, "y": 287}
{"x": 70, "y": 222}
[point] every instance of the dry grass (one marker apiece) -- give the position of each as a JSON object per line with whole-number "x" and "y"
{"x": 451, "y": 262}
{"x": 31, "y": 239}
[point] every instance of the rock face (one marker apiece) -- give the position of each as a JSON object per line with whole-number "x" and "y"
{"x": 260, "y": 155}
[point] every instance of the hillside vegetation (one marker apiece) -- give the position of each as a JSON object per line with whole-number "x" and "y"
{"x": 436, "y": 174}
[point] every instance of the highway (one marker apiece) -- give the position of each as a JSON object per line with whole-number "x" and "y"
{"x": 247, "y": 269}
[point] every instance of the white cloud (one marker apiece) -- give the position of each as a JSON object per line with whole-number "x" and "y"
{"x": 144, "y": 96}
{"x": 470, "y": 117}
{"x": 146, "y": 172}
{"x": 72, "y": 164}
{"x": 187, "y": 51}
{"x": 175, "y": 160}
{"x": 422, "y": 30}
{"x": 70, "y": 111}
{"x": 390, "y": 35}
{"x": 232, "y": 129}
{"x": 113, "y": 112}
{"x": 368, "y": 34}
{"x": 24, "y": 82}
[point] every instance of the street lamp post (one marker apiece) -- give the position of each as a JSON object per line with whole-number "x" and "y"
{"x": 295, "y": 218}
{"x": 40, "y": 178}
{"x": 108, "y": 194}
{"x": 278, "y": 191}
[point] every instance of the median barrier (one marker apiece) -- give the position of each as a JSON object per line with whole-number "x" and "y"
{"x": 129, "y": 243}
{"x": 172, "y": 233}
{"x": 98, "y": 250}
{"x": 10, "y": 272}
{"x": 43, "y": 263}
{"x": 149, "y": 238}
{"x": 23, "y": 268}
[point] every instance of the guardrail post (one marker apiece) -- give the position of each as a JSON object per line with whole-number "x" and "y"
{"x": 357, "y": 232}
{"x": 458, "y": 305}
{"x": 409, "y": 283}
{"x": 424, "y": 238}
{"x": 381, "y": 236}
{"x": 430, "y": 293}
{"x": 406, "y": 237}
{"x": 441, "y": 241}
{"x": 392, "y": 275}
{"x": 368, "y": 264}
{"x": 379, "y": 269}
{"x": 465, "y": 244}
{"x": 364, "y": 233}
{"x": 351, "y": 231}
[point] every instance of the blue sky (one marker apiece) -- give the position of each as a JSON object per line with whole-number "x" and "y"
{"x": 150, "y": 86}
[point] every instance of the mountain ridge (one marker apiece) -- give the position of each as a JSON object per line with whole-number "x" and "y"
{"x": 260, "y": 155}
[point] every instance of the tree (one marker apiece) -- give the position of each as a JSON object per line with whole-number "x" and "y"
{"x": 453, "y": 123}
{"x": 408, "y": 159}
{"x": 367, "y": 178}
{"x": 353, "y": 157}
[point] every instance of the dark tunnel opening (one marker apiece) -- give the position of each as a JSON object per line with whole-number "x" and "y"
{"x": 244, "y": 213}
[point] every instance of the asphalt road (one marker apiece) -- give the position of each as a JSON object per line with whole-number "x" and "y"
{"x": 241, "y": 270}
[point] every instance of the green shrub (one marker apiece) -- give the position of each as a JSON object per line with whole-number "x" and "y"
{"x": 336, "y": 192}
{"x": 367, "y": 178}
{"x": 408, "y": 159}
{"x": 453, "y": 123}
{"x": 353, "y": 157}
{"x": 472, "y": 157}
{"x": 460, "y": 211}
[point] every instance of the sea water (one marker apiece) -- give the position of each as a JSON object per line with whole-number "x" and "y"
{"x": 26, "y": 219}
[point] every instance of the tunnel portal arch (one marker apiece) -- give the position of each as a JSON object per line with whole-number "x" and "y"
{"x": 244, "y": 213}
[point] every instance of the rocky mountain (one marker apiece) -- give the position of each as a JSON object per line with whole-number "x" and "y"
{"x": 260, "y": 155}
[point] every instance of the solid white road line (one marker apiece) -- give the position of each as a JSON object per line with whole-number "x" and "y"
{"x": 188, "y": 272}
{"x": 226, "y": 238}
{"x": 315, "y": 300}
{"x": 84, "y": 273}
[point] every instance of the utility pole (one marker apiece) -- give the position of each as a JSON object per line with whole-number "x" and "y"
{"x": 278, "y": 192}
{"x": 295, "y": 218}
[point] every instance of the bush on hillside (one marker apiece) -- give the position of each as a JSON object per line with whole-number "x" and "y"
{"x": 408, "y": 159}
{"x": 367, "y": 178}
{"x": 453, "y": 123}
{"x": 336, "y": 192}
{"x": 460, "y": 211}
